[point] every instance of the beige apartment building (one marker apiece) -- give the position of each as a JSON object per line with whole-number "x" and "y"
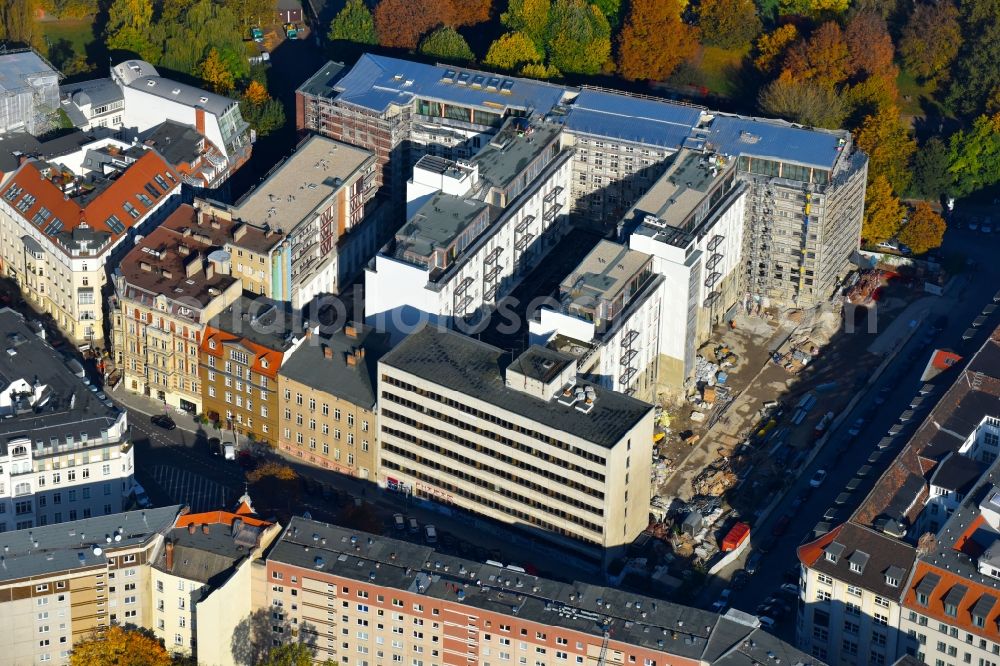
{"x": 201, "y": 580}
{"x": 60, "y": 233}
{"x": 522, "y": 442}
{"x": 61, "y": 583}
{"x": 362, "y": 599}
{"x": 174, "y": 281}
{"x": 328, "y": 400}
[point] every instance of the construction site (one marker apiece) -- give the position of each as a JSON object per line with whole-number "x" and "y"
{"x": 767, "y": 387}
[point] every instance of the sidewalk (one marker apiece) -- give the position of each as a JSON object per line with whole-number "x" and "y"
{"x": 150, "y": 407}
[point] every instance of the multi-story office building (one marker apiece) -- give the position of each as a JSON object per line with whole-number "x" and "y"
{"x": 29, "y": 92}
{"x": 913, "y": 571}
{"x": 60, "y": 233}
{"x": 401, "y": 110}
{"x": 328, "y": 401}
{"x": 61, "y": 583}
{"x": 321, "y": 199}
{"x": 609, "y": 318}
{"x": 805, "y": 185}
{"x": 360, "y": 599}
{"x": 623, "y": 143}
{"x": 518, "y": 440}
{"x": 241, "y": 351}
{"x": 66, "y": 453}
{"x": 475, "y": 230}
{"x": 201, "y": 581}
{"x": 692, "y": 222}
{"x": 166, "y": 289}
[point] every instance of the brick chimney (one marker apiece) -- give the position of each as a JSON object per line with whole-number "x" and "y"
{"x": 327, "y": 352}
{"x": 204, "y": 528}
{"x": 192, "y": 528}
{"x": 352, "y": 359}
{"x": 350, "y": 331}
{"x": 170, "y": 556}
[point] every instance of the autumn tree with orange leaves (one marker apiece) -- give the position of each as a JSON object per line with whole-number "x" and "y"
{"x": 654, "y": 41}
{"x": 823, "y": 58}
{"x": 870, "y": 46}
{"x": 925, "y": 229}
{"x": 120, "y": 647}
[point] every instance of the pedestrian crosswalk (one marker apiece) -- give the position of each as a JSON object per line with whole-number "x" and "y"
{"x": 185, "y": 487}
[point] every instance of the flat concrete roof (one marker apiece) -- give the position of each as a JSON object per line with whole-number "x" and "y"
{"x": 516, "y": 145}
{"x": 317, "y": 169}
{"x": 603, "y": 273}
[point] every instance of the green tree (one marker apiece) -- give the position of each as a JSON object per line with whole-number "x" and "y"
{"x": 974, "y": 155}
{"x": 183, "y": 44}
{"x": 654, "y": 41}
{"x": 580, "y": 37}
{"x": 930, "y": 39}
{"x": 924, "y": 230}
{"x": 804, "y": 102}
{"x": 17, "y": 22}
{"x": 612, "y": 10}
{"x": 289, "y": 654}
{"x": 975, "y": 75}
{"x": 731, "y": 24}
{"x": 447, "y": 44}
{"x": 931, "y": 177}
{"x": 887, "y": 140}
{"x": 128, "y": 29}
{"x": 214, "y": 72}
{"x": 530, "y": 17}
{"x": 511, "y": 50}
{"x": 537, "y": 70}
{"x": 354, "y": 23}
{"x": 883, "y": 212}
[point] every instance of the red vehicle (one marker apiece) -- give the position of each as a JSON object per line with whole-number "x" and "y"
{"x": 781, "y": 526}
{"x": 739, "y": 533}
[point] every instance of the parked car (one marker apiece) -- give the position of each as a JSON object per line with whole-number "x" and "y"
{"x": 781, "y": 526}
{"x": 414, "y": 526}
{"x": 752, "y": 563}
{"x": 430, "y": 534}
{"x": 790, "y": 589}
{"x": 163, "y": 421}
{"x": 856, "y": 427}
{"x": 818, "y": 478}
{"x": 399, "y": 522}
{"x": 740, "y": 579}
{"x": 766, "y": 622}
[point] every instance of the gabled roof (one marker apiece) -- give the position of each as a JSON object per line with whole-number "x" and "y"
{"x": 103, "y": 213}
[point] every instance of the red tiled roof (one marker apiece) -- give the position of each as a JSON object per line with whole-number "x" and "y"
{"x": 219, "y": 518}
{"x": 260, "y": 352}
{"x": 96, "y": 212}
{"x": 809, "y": 553}
{"x": 935, "y": 603}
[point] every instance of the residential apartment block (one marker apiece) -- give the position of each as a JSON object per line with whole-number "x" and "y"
{"x": 320, "y": 200}
{"x": 201, "y": 581}
{"x": 61, "y": 233}
{"x": 61, "y": 583}
{"x": 65, "y": 453}
{"x": 805, "y": 185}
{"x": 241, "y": 351}
{"x": 361, "y": 599}
{"x": 166, "y": 290}
{"x": 474, "y": 230}
{"x": 608, "y": 318}
{"x": 29, "y": 92}
{"x": 328, "y": 401}
{"x": 149, "y": 99}
{"x": 521, "y": 441}
{"x": 913, "y": 571}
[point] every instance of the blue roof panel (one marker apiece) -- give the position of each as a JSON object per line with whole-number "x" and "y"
{"x": 377, "y": 81}
{"x": 632, "y": 118}
{"x": 775, "y": 140}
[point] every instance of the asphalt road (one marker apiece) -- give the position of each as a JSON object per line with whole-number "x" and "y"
{"x": 902, "y": 378}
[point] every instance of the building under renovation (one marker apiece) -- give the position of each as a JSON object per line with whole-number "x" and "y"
{"x": 29, "y": 92}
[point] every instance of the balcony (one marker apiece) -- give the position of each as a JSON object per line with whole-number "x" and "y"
{"x": 713, "y": 262}
{"x": 551, "y": 213}
{"x": 628, "y": 357}
{"x": 523, "y": 242}
{"x": 551, "y": 196}
{"x": 712, "y": 279}
{"x": 522, "y": 226}
{"x": 463, "y": 286}
{"x": 492, "y": 274}
{"x": 715, "y": 242}
{"x": 626, "y": 377}
{"x": 711, "y": 299}
{"x": 462, "y": 305}
{"x": 494, "y": 255}
{"x": 629, "y": 338}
